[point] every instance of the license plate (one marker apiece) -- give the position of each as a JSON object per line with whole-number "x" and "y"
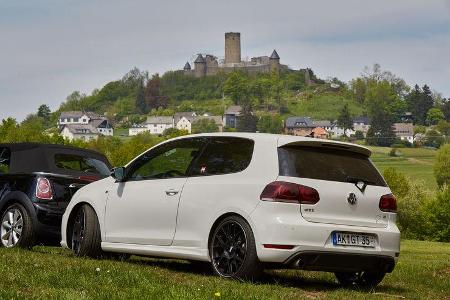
{"x": 353, "y": 239}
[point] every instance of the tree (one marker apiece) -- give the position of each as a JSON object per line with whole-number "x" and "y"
{"x": 204, "y": 125}
{"x": 440, "y": 207}
{"x": 434, "y": 139}
{"x": 419, "y": 102}
{"x": 358, "y": 88}
{"x": 444, "y": 127}
{"x": 270, "y": 124}
{"x": 345, "y": 119}
{"x": 380, "y": 132}
{"x": 446, "y": 109}
{"x": 237, "y": 88}
{"x": 153, "y": 97}
{"x": 44, "y": 112}
{"x": 141, "y": 104}
{"x": 442, "y": 166}
{"x": 434, "y": 115}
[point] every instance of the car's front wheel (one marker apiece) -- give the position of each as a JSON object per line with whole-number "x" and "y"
{"x": 233, "y": 251}
{"x": 17, "y": 227}
{"x": 86, "y": 238}
{"x": 362, "y": 279}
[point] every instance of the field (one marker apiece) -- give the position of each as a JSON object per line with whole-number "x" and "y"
{"x": 417, "y": 163}
{"x": 46, "y": 272}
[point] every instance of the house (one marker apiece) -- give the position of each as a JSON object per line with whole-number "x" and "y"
{"x": 319, "y": 133}
{"x": 153, "y": 124}
{"x": 301, "y": 126}
{"x": 231, "y": 115}
{"x": 88, "y": 125}
{"x": 404, "y": 131}
{"x": 361, "y": 124}
{"x": 157, "y": 125}
{"x": 85, "y": 132}
{"x": 137, "y": 129}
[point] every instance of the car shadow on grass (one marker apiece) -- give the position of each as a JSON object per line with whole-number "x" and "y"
{"x": 284, "y": 278}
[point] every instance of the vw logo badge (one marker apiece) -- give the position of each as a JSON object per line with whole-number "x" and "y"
{"x": 351, "y": 199}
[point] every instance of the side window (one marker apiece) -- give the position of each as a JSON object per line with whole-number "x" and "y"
{"x": 171, "y": 160}
{"x": 224, "y": 155}
{"x": 5, "y": 155}
{"x": 81, "y": 164}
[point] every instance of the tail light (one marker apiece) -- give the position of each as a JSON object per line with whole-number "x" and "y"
{"x": 44, "y": 189}
{"x": 388, "y": 203}
{"x": 280, "y": 191}
{"x": 90, "y": 178}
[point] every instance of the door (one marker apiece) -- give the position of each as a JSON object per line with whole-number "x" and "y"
{"x": 143, "y": 208}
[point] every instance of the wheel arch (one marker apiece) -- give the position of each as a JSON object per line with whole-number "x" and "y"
{"x": 70, "y": 218}
{"x": 222, "y": 217}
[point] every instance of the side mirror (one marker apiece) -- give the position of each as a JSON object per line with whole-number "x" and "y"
{"x": 118, "y": 174}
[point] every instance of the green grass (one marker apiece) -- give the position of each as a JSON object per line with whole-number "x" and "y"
{"x": 423, "y": 271}
{"x": 417, "y": 163}
{"x": 325, "y": 106}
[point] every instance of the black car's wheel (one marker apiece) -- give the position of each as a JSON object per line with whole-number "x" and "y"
{"x": 17, "y": 227}
{"x": 360, "y": 279}
{"x": 233, "y": 251}
{"x": 86, "y": 238}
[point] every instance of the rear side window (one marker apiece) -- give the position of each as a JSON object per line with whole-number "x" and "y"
{"x": 224, "y": 155}
{"x": 327, "y": 164}
{"x": 79, "y": 163}
{"x": 5, "y": 156}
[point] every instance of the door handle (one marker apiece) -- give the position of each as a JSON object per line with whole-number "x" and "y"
{"x": 171, "y": 193}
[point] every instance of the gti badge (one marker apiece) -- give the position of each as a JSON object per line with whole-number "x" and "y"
{"x": 351, "y": 199}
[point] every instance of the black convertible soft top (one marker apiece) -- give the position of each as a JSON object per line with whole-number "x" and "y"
{"x": 36, "y": 157}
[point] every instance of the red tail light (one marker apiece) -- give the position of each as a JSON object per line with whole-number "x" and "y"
{"x": 388, "y": 203}
{"x": 90, "y": 178}
{"x": 44, "y": 189}
{"x": 280, "y": 191}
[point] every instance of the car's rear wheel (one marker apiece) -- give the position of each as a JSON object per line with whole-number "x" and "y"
{"x": 86, "y": 238}
{"x": 362, "y": 279}
{"x": 17, "y": 227}
{"x": 233, "y": 251}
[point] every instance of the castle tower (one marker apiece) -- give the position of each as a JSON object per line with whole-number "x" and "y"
{"x": 274, "y": 61}
{"x": 200, "y": 66}
{"x": 232, "y": 47}
{"x": 187, "y": 68}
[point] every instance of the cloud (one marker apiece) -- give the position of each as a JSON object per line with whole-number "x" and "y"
{"x": 50, "y": 48}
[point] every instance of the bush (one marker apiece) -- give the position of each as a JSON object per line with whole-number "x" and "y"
{"x": 440, "y": 206}
{"x": 412, "y": 204}
{"x": 359, "y": 135}
{"x": 393, "y": 152}
{"x": 442, "y": 165}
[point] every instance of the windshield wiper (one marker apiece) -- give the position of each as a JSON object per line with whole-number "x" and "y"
{"x": 360, "y": 183}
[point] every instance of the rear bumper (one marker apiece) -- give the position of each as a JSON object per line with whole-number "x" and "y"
{"x": 48, "y": 222}
{"x": 340, "y": 262}
{"x": 312, "y": 245}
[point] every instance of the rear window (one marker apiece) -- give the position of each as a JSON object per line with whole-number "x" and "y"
{"x": 5, "y": 156}
{"x": 327, "y": 164}
{"x": 79, "y": 163}
{"x": 224, "y": 156}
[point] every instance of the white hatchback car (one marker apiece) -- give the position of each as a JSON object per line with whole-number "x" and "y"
{"x": 244, "y": 202}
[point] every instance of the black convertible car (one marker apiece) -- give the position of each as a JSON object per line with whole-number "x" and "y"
{"x": 37, "y": 182}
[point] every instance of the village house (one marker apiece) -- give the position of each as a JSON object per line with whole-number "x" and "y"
{"x": 404, "y": 131}
{"x": 361, "y": 124}
{"x": 83, "y": 125}
{"x": 231, "y": 115}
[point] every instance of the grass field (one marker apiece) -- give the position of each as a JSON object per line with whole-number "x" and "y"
{"x": 45, "y": 272}
{"x": 416, "y": 163}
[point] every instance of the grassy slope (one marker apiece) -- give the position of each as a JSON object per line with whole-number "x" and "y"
{"x": 423, "y": 272}
{"x": 325, "y": 106}
{"x": 416, "y": 163}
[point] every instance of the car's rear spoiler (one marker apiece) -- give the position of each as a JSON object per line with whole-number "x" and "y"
{"x": 312, "y": 142}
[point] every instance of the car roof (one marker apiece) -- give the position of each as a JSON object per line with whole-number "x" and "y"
{"x": 284, "y": 140}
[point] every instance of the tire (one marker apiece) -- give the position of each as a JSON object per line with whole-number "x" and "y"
{"x": 86, "y": 238}
{"x": 17, "y": 227}
{"x": 232, "y": 250}
{"x": 361, "y": 279}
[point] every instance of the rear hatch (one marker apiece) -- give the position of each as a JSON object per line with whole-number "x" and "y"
{"x": 349, "y": 186}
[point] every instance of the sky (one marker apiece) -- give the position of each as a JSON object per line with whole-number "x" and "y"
{"x": 50, "y": 48}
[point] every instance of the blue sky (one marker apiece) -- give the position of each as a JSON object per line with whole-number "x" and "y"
{"x": 49, "y": 48}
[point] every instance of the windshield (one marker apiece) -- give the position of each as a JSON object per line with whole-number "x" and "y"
{"x": 327, "y": 164}
{"x": 81, "y": 164}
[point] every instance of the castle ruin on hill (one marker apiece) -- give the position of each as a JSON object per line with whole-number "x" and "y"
{"x": 207, "y": 65}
